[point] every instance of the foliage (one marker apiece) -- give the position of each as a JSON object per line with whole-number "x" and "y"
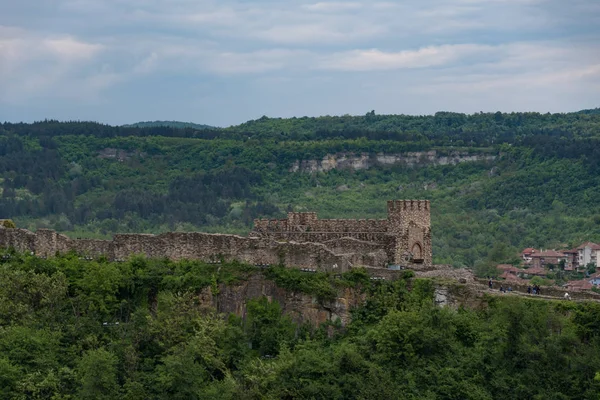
{"x": 71, "y": 328}
{"x": 318, "y": 284}
{"x": 8, "y": 223}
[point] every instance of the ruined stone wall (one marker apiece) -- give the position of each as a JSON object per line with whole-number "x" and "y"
{"x": 20, "y": 239}
{"x": 405, "y": 236}
{"x": 308, "y": 222}
{"x": 93, "y": 247}
{"x": 300, "y": 240}
{"x": 324, "y": 237}
{"x": 176, "y": 246}
{"x": 48, "y": 242}
{"x": 352, "y": 245}
{"x": 367, "y": 239}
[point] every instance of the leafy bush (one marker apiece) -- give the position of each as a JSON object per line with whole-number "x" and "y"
{"x": 318, "y": 284}
{"x": 8, "y": 223}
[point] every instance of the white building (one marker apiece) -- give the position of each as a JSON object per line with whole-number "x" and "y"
{"x": 588, "y": 253}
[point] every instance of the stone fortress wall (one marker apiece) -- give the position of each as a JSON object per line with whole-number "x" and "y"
{"x": 301, "y": 240}
{"x": 405, "y": 236}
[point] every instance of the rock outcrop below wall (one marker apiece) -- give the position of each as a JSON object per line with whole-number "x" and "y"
{"x": 305, "y": 308}
{"x": 301, "y": 307}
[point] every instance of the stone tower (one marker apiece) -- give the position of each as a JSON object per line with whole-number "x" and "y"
{"x": 409, "y": 221}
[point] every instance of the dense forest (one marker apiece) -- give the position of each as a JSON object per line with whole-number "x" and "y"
{"x": 72, "y": 328}
{"x": 534, "y": 179}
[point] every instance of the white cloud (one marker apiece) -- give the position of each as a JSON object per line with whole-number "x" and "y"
{"x": 374, "y": 59}
{"x": 32, "y": 64}
{"x": 70, "y": 49}
{"x": 333, "y": 6}
{"x": 524, "y": 66}
{"x": 256, "y": 62}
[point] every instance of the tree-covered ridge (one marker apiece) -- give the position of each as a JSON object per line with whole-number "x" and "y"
{"x": 89, "y": 179}
{"x": 170, "y": 124}
{"x": 471, "y": 129}
{"x": 79, "y": 329}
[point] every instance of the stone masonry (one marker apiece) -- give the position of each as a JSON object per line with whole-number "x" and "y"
{"x": 302, "y": 240}
{"x": 404, "y": 237}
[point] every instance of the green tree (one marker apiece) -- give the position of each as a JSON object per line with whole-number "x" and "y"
{"x": 9, "y": 376}
{"x": 590, "y": 268}
{"x": 97, "y": 372}
{"x": 266, "y": 326}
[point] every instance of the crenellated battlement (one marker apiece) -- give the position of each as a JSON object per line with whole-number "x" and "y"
{"x": 398, "y": 205}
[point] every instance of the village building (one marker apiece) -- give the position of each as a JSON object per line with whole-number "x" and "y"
{"x": 588, "y": 254}
{"x": 527, "y": 253}
{"x": 595, "y": 279}
{"x": 578, "y": 285}
{"x": 585, "y": 284}
{"x": 536, "y": 271}
{"x": 509, "y": 272}
{"x": 548, "y": 257}
{"x": 572, "y": 257}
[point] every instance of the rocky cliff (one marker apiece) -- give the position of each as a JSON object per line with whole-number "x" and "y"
{"x": 452, "y": 289}
{"x": 301, "y": 307}
{"x": 365, "y": 161}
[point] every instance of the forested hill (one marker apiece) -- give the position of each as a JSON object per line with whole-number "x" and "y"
{"x": 497, "y": 181}
{"x": 170, "y": 124}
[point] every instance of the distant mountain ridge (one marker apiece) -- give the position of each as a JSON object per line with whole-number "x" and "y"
{"x": 169, "y": 124}
{"x": 590, "y": 111}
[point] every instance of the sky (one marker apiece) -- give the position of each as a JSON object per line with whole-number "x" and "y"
{"x": 225, "y": 62}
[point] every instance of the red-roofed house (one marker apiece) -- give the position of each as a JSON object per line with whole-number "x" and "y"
{"x": 579, "y": 285}
{"x": 526, "y": 254}
{"x": 547, "y": 257}
{"x": 536, "y": 270}
{"x": 509, "y": 272}
{"x": 508, "y": 276}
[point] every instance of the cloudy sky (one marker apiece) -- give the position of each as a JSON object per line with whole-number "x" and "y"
{"x": 223, "y": 62}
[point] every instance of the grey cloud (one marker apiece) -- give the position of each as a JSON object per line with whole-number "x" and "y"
{"x": 309, "y": 52}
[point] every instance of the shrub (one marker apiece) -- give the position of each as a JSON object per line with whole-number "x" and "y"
{"x": 7, "y": 223}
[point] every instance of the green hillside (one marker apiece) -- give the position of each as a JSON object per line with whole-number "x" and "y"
{"x": 526, "y": 179}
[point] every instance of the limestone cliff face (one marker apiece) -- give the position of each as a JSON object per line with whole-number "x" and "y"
{"x": 365, "y": 161}
{"x": 304, "y": 308}
{"x": 301, "y": 307}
